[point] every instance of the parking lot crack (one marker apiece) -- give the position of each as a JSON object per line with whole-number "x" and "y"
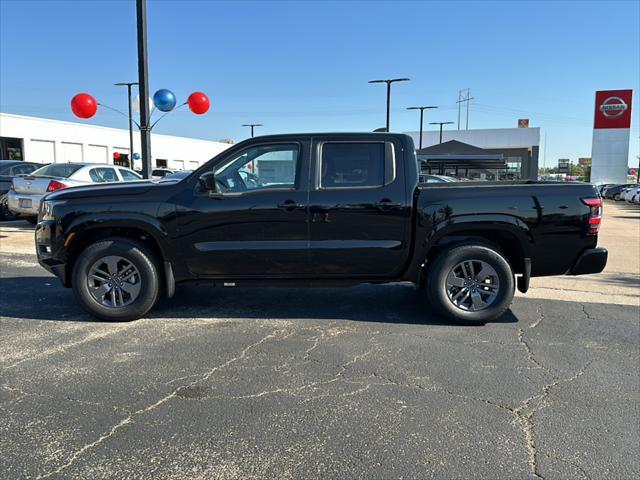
{"x": 531, "y": 357}
{"x": 540, "y": 318}
{"x": 587, "y": 314}
{"x": 22, "y": 394}
{"x": 524, "y": 416}
{"x": 131, "y": 417}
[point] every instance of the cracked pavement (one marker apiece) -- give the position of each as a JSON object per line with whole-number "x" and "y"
{"x": 329, "y": 383}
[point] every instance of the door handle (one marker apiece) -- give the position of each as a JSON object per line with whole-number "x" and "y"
{"x": 289, "y": 205}
{"x": 386, "y": 204}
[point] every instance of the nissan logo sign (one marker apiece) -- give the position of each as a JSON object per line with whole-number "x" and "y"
{"x": 613, "y": 107}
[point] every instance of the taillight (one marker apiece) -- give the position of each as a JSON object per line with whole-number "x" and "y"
{"x": 595, "y": 214}
{"x": 55, "y": 185}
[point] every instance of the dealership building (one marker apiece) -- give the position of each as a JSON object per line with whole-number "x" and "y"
{"x": 503, "y": 153}
{"x": 43, "y": 140}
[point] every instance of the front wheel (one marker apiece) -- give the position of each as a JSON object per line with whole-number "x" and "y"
{"x": 471, "y": 284}
{"x": 116, "y": 279}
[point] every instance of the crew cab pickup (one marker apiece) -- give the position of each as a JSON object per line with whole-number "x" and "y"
{"x": 327, "y": 209}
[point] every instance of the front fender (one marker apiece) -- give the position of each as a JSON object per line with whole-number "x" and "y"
{"x": 85, "y": 224}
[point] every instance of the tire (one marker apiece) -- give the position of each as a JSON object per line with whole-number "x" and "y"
{"x": 32, "y": 220}
{"x": 5, "y": 213}
{"x": 98, "y": 258}
{"x": 616, "y": 197}
{"x": 495, "y": 292}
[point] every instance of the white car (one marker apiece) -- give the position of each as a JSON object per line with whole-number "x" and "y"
{"x": 628, "y": 195}
{"x": 26, "y": 192}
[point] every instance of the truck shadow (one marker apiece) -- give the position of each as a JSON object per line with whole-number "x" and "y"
{"x": 42, "y": 298}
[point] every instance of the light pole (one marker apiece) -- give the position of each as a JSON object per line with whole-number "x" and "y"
{"x": 143, "y": 83}
{"x": 389, "y": 82}
{"x": 441, "y": 124}
{"x": 422, "y": 109}
{"x": 252, "y": 125}
{"x": 129, "y": 85}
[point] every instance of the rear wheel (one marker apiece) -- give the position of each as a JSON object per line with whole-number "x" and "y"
{"x": 116, "y": 279}
{"x": 471, "y": 284}
{"x": 616, "y": 197}
{"x": 5, "y": 213}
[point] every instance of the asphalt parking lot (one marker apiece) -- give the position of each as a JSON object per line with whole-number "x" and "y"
{"x": 352, "y": 383}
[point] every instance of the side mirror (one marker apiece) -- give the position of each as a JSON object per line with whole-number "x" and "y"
{"x": 208, "y": 182}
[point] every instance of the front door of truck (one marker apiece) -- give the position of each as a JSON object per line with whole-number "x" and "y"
{"x": 257, "y": 223}
{"x": 359, "y": 209}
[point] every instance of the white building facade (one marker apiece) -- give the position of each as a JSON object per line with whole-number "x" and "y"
{"x": 43, "y": 140}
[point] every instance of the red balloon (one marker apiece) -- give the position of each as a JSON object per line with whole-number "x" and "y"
{"x": 84, "y": 105}
{"x": 198, "y": 103}
{"x": 116, "y": 155}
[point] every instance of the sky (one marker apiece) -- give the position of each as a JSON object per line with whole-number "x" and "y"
{"x": 304, "y": 66}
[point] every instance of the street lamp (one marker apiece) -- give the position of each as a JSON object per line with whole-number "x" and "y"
{"x": 389, "y": 82}
{"x": 441, "y": 124}
{"x": 422, "y": 109}
{"x": 129, "y": 85}
{"x": 252, "y": 125}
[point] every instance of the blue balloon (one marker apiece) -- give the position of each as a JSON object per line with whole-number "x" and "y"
{"x": 136, "y": 156}
{"x": 164, "y": 100}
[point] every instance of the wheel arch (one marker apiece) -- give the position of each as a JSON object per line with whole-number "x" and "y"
{"x": 83, "y": 237}
{"x": 511, "y": 239}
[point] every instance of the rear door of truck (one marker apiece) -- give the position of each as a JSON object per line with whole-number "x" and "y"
{"x": 359, "y": 208}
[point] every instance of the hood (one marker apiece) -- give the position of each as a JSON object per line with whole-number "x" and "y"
{"x": 103, "y": 190}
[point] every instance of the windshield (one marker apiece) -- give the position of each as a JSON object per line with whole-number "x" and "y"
{"x": 60, "y": 170}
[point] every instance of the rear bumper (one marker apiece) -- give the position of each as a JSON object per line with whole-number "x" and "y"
{"x": 592, "y": 260}
{"x": 13, "y": 201}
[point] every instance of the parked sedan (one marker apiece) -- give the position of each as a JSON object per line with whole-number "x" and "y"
{"x": 8, "y": 170}
{"x": 628, "y": 194}
{"x": 615, "y": 192}
{"x": 26, "y": 192}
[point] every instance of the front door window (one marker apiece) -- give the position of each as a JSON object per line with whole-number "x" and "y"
{"x": 260, "y": 168}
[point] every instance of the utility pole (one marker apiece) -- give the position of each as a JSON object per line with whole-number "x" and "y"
{"x": 143, "y": 82}
{"x": 129, "y": 85}
{"x": 441, "y": 124}
{"x": 422, "y": 109}
{"x": 252, "y": 125}
{"x": 389, "y": 82}
{"x": 462, "y": 99}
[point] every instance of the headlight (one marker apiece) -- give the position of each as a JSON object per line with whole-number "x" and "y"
{"x": 46, "y": 210}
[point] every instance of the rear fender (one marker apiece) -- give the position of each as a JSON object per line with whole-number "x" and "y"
{"x": 478, "y": 228}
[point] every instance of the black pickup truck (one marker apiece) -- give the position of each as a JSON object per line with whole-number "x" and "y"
{"x": 328, "y": 209}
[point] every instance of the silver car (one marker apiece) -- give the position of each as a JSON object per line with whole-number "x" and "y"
{"x": 26, "y": 192}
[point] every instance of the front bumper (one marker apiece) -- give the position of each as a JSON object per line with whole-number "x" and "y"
{"x": 14, "y": 201}
{"x": 592, "y": 260}
{"x": 49, "y": 248}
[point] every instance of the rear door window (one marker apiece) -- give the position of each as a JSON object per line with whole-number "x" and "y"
{"x": 103, "y": 175}
{"x": 356, "y": 164}
{"x": 129, "y": 176}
